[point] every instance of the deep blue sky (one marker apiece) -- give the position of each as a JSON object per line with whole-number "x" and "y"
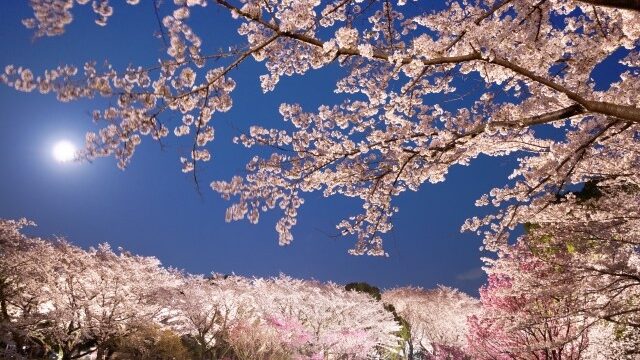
{"x": 153, "y": 209}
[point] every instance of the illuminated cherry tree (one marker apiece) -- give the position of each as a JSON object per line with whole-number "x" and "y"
{"x": 21, "y": 282}
{"x": 59, "y": 298}
{"x": 591, "y": 254}
{"x": 498, "y": 70}
{"x": 437, "y": 319}
{"x": 567, "y": 290}
{"x": 524, "y": 327}
{"x": 209, "y": 310}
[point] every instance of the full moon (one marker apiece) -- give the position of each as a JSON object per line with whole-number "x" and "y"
{"x": 64, "y": 151}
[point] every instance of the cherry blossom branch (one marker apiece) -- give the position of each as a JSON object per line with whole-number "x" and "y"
{"x": 625, "y": 112}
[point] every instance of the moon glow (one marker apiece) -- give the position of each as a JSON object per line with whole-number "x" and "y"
{"x": 64, "y": 151}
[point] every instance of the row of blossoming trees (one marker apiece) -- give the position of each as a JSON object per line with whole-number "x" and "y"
{"x": 59, "y": 299}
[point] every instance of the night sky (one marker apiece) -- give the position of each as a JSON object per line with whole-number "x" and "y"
{"x": 153, "y": 209}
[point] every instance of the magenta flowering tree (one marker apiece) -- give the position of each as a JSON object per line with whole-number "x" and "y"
{"x": 525, "y": 326}
{"x": 583, "y": 269}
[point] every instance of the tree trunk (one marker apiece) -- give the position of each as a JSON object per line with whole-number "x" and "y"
{"x": 3, "y": 301}
{"x": 410, "y": 349}
{"x": 100, "y": 353}
{"x": 66, "y": 354}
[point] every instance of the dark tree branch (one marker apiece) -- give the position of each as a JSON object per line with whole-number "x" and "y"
{"x": 618, "y": 4}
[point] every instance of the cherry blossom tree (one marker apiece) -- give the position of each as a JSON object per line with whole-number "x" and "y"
{"x": 123, "y": 291}
{"x": 521, "y": 327}
{"x": 437, "y": 319}
{"x": 21, "y": 286}
{"x": 62, "y": 299}
{"x": 98, "y": 297}
{"x": 498, "y": 70}
{"x": 592, "y": 254}
{"x": 584, "y": 267}
{"x": 550, "y": 295}
{"x": 208, "y": 310}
